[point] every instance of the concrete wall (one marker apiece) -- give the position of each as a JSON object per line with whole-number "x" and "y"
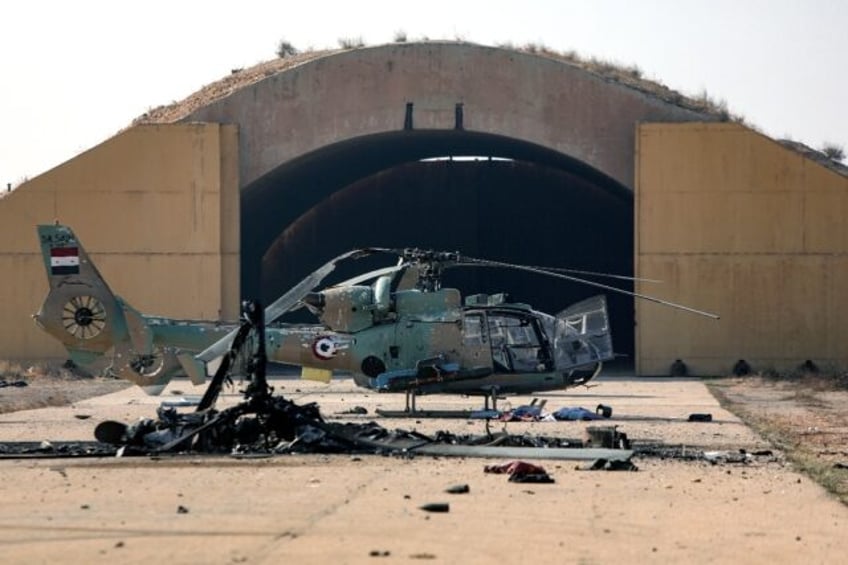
{"x": 736, "y": 224}
{"x": 157, "y": 208}
{"x": 358, "y": 92}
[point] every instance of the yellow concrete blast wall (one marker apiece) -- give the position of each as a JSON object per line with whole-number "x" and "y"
{"x": 154, "y": 207}
{"x": 24, "y": 288}
{"x": 734, "y": 223}
{"x": 230, "y": 224}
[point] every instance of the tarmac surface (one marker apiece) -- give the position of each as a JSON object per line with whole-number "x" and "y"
{"x": 366, "y": 509}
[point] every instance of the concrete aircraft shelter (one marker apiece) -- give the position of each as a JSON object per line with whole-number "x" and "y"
{"x": 253, "y": 182}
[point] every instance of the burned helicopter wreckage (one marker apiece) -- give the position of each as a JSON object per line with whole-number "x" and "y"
{"x": 265, "y": 423}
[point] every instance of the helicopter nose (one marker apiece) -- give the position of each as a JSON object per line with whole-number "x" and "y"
{"x": 314, "y": 300}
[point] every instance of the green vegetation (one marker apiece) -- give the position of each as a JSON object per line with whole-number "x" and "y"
{"x": 804, "y": 445}
{"x": 351, "y": 42}
{"x": 833, "y": 151}
{"x": 286, "y": 49}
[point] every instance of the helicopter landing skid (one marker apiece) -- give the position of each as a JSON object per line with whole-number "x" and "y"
{"x": 411, "y": 410}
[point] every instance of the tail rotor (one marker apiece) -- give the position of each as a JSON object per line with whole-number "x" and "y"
{"x": 84, "y": 317}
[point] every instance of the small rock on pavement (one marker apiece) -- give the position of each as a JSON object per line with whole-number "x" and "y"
{"x": 458, "y": 489}
{"x": 436, "y": 507}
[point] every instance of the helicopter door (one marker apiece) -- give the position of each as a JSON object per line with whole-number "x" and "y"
{"x": 515, "y": 343}
{"x": 475, "y": 342}
{"x": 583, "y": 334}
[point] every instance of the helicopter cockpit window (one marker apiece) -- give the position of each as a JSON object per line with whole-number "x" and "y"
{"x": 521, "y": 334}
{"x": 515, "y": 343}
{"x": 472, "y": 329}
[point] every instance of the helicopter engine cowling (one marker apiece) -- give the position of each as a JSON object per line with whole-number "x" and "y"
{"x": 382, "y": 296}
{"x": 346, "y": 309}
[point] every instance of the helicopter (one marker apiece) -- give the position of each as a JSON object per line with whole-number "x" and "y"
{"x": 403, "y": 332}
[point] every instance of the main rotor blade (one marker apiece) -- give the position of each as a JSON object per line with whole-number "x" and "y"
{"x": 558, "y": 270}
{"x": 597, "y": 274}
{"x": 284, "y": 303}
{"x": 539, "y": 271}
{"x": 371, "y": 275}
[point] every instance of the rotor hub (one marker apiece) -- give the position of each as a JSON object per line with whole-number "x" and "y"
{"x": 430, "y": 265}
{"x": 84, "y": 316}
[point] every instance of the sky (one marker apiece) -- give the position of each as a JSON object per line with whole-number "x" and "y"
{"x": 74, "y": 73}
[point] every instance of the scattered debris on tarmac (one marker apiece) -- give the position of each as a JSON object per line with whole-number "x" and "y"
{"x": 521, "y": 472}
{"x": 17, "y": 383}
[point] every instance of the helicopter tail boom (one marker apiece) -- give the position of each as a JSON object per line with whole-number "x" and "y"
{"x": 98, "y": 329}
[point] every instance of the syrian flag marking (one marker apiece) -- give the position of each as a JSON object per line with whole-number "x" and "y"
{"x": 64, "y": 261}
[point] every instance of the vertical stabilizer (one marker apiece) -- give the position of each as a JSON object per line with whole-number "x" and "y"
{"x": 91, "y": 322}
{"x": 80, "y": 309}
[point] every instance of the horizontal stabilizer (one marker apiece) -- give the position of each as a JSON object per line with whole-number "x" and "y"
{"x": 140, "y": 334}
{"x": 193, "y": 367}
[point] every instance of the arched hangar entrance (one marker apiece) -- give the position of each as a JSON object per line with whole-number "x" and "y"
{"x": 484, "y": 195}
{"x": 331, "y": 150}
